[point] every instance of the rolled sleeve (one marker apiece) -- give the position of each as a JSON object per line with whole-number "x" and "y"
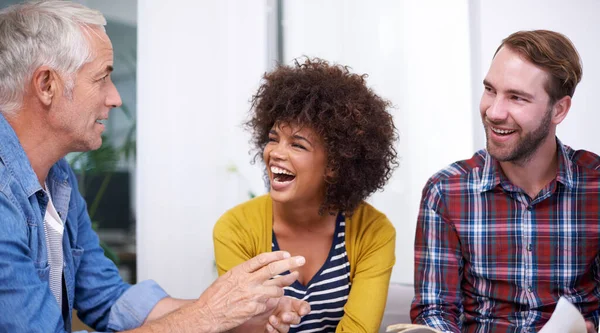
{"x": 133, "y": 307}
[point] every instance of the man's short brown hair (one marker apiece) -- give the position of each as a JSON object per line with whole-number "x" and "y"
{"x": 554, "y": 53}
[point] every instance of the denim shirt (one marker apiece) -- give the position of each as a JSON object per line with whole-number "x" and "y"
{"x": 91, "y": 281}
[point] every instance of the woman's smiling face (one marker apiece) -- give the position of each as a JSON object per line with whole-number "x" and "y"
{"x": 296, "y": 161}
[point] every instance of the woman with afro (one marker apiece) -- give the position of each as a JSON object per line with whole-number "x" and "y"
{"x": 327, "y": 142}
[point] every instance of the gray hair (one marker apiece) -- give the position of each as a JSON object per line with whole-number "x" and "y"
{"x": 38, "y": 33}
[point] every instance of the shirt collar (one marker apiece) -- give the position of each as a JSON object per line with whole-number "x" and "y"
{"x": 14, "y": 158}
{"x": 565, "y": 165}
{"x": 492, "y": 175}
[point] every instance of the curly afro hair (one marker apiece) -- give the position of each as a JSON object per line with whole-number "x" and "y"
{"x": 357, "y": 130}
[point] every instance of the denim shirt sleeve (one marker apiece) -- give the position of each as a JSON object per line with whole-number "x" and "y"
{"x": 132, "y": 308}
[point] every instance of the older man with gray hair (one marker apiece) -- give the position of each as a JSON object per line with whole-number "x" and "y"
{"x": 55, "y": 93}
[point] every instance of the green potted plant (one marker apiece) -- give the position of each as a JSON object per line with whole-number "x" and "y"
{"x": 103, "y": 163}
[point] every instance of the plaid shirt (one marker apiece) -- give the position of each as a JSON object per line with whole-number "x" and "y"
{"x": 488, "y": 258}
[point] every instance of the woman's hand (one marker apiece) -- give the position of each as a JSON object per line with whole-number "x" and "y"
{"x": 288, "y": 312}
{"x": 590, "y": 327}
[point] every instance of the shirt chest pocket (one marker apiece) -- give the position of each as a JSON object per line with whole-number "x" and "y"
{"x": 580, "y": 253}
{"x": 43, "y": 272}
{"x": 77, "y": 253}
{"x": 36, "y": 250}
{"x": 572, "y": 260}
{"x": 71, "y": 231}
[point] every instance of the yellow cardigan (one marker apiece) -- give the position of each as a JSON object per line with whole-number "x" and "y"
{"x": 246, "y": 231}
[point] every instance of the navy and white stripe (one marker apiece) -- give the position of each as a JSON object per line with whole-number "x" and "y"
{"x": 327, "y": 292}
{"x": 53, "y": 230}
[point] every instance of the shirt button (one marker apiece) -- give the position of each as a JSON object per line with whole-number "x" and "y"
{"x": 529, "y": 208}
{"x": 529, "y": 289}
{"x": 529, "y": 247}
{"x": 40, "y": 194}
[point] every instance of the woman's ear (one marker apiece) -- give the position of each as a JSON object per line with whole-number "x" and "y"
{"x": 330, "y": 173}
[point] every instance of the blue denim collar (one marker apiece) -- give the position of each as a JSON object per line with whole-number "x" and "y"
{"x": 14, "y": 158}
{"x": 16, "y": 161}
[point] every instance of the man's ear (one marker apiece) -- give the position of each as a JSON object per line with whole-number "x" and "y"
{"x": 44, "y": 84}
{"x": 561, "y": 109}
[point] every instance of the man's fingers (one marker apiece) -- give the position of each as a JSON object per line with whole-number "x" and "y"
{"x": 262, "y": 260}
{"x": 266, "y": 292}
{"x": 277, "y": 267}
{"x": 272, "y": 303}
{"x": 282, "y": 280}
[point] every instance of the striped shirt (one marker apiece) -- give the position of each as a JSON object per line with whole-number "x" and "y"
{"x": 488, "y": 258}
{"x": 327, "y": 292}
{"x": 53, "y": 230}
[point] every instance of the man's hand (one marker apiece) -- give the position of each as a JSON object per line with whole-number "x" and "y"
{"x": 243, "y": 292}
{"x": 288, "y": 312}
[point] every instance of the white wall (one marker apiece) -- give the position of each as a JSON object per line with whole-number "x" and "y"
{"x": 579, "y": 21}
{"x": 417, "y": 55}
{"x": 429, "y": 58}
{"x": 198, "y": 64}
